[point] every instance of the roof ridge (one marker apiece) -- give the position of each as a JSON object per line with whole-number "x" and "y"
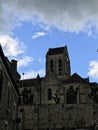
{"x": 56, "y": 50}
{"x": 75, "y": 78}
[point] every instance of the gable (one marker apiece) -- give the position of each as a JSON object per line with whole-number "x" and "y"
{"x": 75, "y": 78}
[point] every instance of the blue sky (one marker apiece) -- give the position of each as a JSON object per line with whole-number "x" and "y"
{"x": 29, "y": 28}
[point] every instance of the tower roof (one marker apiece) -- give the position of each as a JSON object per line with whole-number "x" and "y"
{"x": 57, "y": 50}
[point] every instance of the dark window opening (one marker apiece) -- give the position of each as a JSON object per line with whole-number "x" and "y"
{"x": 51, "y": 66}
{"x": 60, "y": 66}
{"x": 71, "y": 95}
{"x": 6, "y": 125}
{"x": 49, "y": 94}
{"x": 8, "y": 97}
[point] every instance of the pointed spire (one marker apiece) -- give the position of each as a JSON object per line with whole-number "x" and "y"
{"x": 38, "y": 77}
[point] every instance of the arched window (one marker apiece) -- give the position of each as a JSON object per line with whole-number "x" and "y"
{"x": 60, "y": 66}
{"x": 51, "y": 65}
{"x": 49, "y": 94}
{"x": 71, "y": 95}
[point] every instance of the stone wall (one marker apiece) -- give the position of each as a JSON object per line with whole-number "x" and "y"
{"x": 58, "y": 116}
{"x": 8, "y": 99}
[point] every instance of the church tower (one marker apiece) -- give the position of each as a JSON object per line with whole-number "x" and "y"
{"x": 57, "y": 61}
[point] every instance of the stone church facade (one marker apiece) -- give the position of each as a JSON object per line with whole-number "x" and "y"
{"x": 59, "y": 100}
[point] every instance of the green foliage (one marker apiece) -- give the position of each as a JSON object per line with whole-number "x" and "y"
{"x": 27, "y": 96}
{"x": 94, "y": 94}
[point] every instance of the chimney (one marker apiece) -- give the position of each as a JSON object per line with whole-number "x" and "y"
{"x": 14, "y": 65}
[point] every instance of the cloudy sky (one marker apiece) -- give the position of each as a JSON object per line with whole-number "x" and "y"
{"x": 29, "y": 27}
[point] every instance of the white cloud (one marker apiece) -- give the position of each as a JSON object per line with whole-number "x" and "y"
{"x": 33, "y": 74}
{"x": 38, "y": 34}
{"x": 12, "y": 47}
{"x": 93, "y": 69}
{"x": 25, "y": 61}
{"x": 66, "y": 15}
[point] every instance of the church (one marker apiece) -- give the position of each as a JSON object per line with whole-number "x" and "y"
{"x": 59, "y": 100}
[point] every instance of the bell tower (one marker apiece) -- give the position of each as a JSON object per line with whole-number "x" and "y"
{"x": 57, "y": 61}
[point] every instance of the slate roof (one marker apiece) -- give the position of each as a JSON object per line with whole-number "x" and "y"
{"x": 30, "y": 82}
{"x": 58, "y": 50}
{"x": 75, "y": 78}
{"x": 8, "y": 69}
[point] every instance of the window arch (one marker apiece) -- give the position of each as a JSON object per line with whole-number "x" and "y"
{"x": 51, "y": 65}
{"x": 60, "y": 66}
{"x": 71, "y": 95}
{"x": 49, "y": 94}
